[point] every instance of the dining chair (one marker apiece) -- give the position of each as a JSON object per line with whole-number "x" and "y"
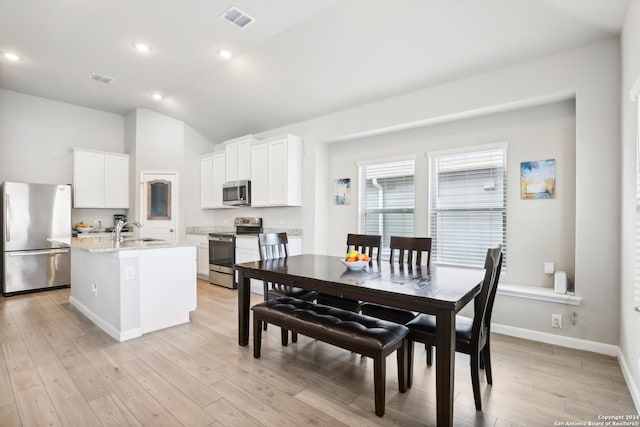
{"x": 365, "y": 244}
{"x": 472, "y": 335}
{"x": 275, "y": 246}
{"x": 410, "y": 252}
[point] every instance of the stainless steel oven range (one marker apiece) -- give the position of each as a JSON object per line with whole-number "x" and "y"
{"x": 222, "y": 251}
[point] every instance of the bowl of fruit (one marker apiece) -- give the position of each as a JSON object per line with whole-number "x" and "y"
{"x": 354, "y": 260}
{"x": 81, "y": 227}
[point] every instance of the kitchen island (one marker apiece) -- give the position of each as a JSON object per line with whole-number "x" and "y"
{"x": 135, "y": 286}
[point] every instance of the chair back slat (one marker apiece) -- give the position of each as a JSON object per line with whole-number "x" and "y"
{"x": 273, "y": 245}
{"x": 365, "y": 244}
{"x": 410, "y": 249}
{"x": 483, "y": 306}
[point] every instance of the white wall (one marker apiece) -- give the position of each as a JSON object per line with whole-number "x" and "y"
{"x": 629, "y": 319}
{"x": 591, "y": 76}
{"x": 537, "y": 230}
{"x": 37, "y": 134}
{"x": 160, "y": 143}
{"x": 194, "y": 146}
{"x": 36, "y": 138}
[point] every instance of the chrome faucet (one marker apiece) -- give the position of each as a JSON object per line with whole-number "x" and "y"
{"x": 120, "y": 225}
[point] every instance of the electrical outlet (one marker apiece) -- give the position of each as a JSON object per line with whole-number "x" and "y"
{"x": 556, "y": 321}
{"x": 94, "y": 289}
{"x": 130, "y": 273}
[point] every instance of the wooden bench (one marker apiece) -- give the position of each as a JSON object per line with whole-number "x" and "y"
{"x": 361, "y": 334}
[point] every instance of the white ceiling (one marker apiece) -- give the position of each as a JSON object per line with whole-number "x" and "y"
{"x": 300, "y": 59}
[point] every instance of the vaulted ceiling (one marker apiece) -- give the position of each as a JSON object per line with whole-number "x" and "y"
{"x": 298, "y": 60}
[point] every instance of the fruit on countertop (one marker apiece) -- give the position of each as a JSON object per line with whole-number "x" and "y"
{"x": 83, "y": 225}
{"x": 356, "y": 256}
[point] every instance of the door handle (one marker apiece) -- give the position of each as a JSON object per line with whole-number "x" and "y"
{"x": 171, "y": 230}
{"x": 49, "y": 252}
{"x": 7, "y": 231}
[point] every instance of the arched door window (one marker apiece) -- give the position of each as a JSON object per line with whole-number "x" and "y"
{"x": 158, "y": 200}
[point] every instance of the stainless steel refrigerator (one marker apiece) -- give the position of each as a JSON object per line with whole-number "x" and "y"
{"x": 31, "y": 215}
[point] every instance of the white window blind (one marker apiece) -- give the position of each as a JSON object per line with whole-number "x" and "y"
{"x": 467, "y": 205}
{"x": 636, "y": 299}
{"x": 386, "y": 200}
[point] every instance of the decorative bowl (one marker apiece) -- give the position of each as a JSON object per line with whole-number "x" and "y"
{"x": 354, "y": 265}
{"x": 84, "y": 229}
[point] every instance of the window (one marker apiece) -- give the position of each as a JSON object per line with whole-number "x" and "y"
{"x": 468, "y": 204}
{"x": 635, "y": 96}
{"x": 386, "y": 200}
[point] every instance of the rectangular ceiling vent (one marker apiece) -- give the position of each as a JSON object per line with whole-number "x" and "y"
{"x": 101, "y": 78}
{"x": 237, "y": 18}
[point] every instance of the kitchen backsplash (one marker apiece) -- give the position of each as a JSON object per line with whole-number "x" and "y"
{"x": 206, "y": 229}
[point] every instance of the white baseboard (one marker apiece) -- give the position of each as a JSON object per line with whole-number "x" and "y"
{"x": 102, "y": 324}
{"x": 545, "y": 337}
{"x": 626, "y": 373}
{"x": 578, "y": 344}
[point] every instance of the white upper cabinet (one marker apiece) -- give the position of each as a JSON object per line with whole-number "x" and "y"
{"x": 206, "y": 182}
{"x": 212, "y": 176}
{"x": 116, "y": 182}
{"x": 259, "y": 175}
{"x": 100, "y": 180}
{"x": 238, "y": 159}
{"x": 280, "y": 160}
{"x": 218, "y": 178}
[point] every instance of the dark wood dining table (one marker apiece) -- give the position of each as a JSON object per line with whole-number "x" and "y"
{"x": 438, "y": 290}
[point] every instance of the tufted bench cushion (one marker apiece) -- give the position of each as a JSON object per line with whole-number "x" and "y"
{"x": 362, "y": 334}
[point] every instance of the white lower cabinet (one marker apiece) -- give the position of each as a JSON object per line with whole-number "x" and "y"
{"x": 203, "y": 254}
{"x": 247, "y": 251}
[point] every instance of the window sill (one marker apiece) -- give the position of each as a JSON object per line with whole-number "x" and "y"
{"x": 537, "y": 293}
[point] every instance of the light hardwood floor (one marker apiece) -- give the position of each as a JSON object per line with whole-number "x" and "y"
{"x": 57, "y": 368}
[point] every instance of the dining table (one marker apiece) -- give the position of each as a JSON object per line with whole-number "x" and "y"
{"x": 438, "y": 290}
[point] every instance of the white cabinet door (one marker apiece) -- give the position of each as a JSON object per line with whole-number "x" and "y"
{"x": 218, "y": 178}
{"x": 100, "y": 180}
{"x": 295, "y": 245}
{"x": 116, "y": 181}
{"x": 88, "y": 179}
{"x": 259, "y": 176}
{"x": 278, "y": 172}
{"x": 244, "y": 159}
{"x": 203, "y": 260}
{"x": 231, "y": 162}
{"x": 206, "y": 182}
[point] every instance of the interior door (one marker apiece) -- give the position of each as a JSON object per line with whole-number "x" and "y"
{"x": 159, "y": 205}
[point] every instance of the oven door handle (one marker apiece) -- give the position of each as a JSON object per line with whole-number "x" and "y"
{"x": 221, "y": 239}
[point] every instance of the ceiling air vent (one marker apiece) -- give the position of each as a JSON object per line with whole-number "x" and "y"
{"x": 237, "y": 18}
{"x": 101, "y": 78}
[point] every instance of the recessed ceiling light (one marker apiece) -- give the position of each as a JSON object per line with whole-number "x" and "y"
{"x": 225, "y": 54}
{"x": 10, "y": 56}
{"x": 157, "y": 96}
{"x": 142, "y": 47}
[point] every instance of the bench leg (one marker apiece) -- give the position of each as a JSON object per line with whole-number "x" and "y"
{"x": 284, "y": 333}
{"x": 379, "y": 375}
{"x": 257, "y": 336}
{"x": 294, "y": 336}
{"x": 403, "y": 366}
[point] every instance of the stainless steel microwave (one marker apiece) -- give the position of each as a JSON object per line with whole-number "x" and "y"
{"x": 236, "y": 193}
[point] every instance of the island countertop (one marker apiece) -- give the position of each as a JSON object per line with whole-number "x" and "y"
{"x": 106, "y": 244}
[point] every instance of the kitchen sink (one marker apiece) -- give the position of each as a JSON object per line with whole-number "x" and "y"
{"x": 143, "y": 239}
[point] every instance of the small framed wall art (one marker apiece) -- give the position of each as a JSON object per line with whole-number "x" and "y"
{"x": 343, "y": 191}
{"x": 538, "y": 179}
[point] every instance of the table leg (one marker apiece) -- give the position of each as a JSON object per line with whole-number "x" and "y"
{"x": 445, "y": 365}
{"x": 244, "y": 294}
